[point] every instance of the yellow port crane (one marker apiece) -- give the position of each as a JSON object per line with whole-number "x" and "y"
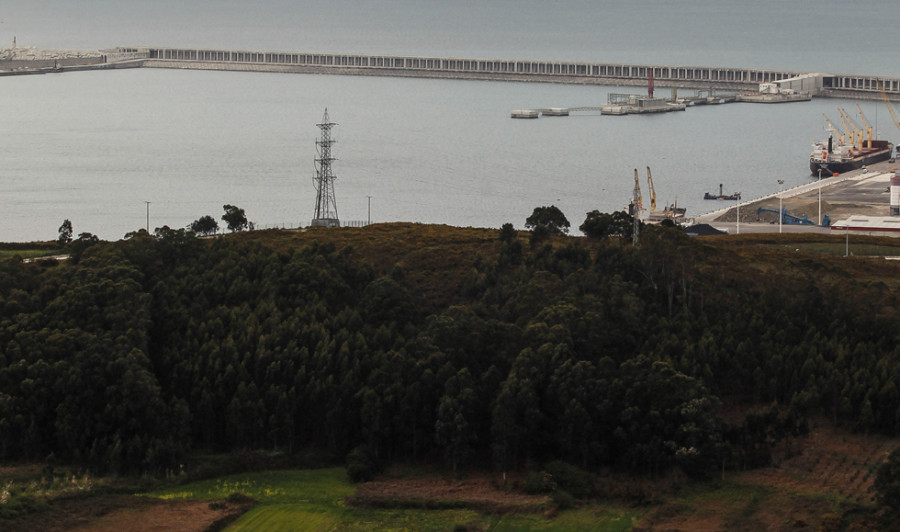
{"x": 651, "y": 191}
{"x": 834, "y": 131}
{"x": 855, "y": 133}
{"x": 887, "y": 101}
{"x": 867, "y": 126}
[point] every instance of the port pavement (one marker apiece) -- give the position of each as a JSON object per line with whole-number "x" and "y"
{"x": 865, "y": 191}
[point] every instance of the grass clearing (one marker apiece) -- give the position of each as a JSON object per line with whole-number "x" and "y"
{"x": 314, "y": 500}
{"x": 325, "y": 487}
{"x": 595, "y": 518}
{"x": 856, "y": 248}
{"x": 29, "y": 253}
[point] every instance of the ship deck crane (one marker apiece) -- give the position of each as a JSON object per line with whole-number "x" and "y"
{"x": 867, "y": 126}
{"x": 855, "y": 133}
{"x": 834, "y": 131}
{"x": 651, "y": 191}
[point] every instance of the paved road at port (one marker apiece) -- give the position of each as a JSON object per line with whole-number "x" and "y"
{"x": 858, "y": 192}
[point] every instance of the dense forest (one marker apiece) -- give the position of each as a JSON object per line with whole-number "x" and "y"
{"x": 414, "y": 342}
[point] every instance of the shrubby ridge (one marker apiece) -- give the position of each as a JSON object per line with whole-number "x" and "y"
{"x": 411, "y": 342}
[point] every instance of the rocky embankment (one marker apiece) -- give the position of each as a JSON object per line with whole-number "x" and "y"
{"x": 30, "y": 53}
{"x": 31, "y": 60}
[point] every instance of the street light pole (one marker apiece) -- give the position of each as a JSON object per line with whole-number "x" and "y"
{"x": 148, "y": 216}
{"x": 780, "y": 203}
{"x": 369, "y": 219}
{"x": 820, "y": 197}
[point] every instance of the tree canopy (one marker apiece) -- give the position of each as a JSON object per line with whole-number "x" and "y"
{"x": 65, "y": 233}
{"x": 207, "y": 225}
{"x": 406, "y": 341}
{"x": 548, "y": 219}
{"x": 235, "y": 218}
{"x": 599, "y": 225}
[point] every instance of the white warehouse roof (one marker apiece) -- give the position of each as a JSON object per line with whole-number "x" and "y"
{"x": 868, "y": 224}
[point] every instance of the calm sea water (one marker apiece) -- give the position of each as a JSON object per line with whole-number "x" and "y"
{"x": 94, "y": 147}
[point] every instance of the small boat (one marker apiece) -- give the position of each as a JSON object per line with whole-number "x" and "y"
{"x": 721, "y": 196}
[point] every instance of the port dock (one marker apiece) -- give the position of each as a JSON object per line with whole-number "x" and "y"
{"x": 864, "y": 191}
{"x": 575, "y": 72}
{"x": 628, "y": 104}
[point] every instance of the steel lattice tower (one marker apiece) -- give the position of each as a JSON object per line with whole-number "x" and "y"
{"x": 326, "y": 214}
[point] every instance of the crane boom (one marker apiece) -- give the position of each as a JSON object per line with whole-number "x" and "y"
{"x": 855, "y": 134}
{"x": 887, "y": 101}
{"x": 834, "y": 131}
{"x": 651, "y": 191}
{"x": 867, "y": 126}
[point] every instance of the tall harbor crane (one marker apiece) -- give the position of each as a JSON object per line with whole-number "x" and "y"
{"x": 651, "y": 191}
{"x": 887, "y": 101}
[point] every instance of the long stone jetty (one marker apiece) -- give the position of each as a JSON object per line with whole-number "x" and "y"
{"x": 576, "y": 72}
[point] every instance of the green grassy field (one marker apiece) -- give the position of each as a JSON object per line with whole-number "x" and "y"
{"x": 314, "y": 500}
{"x": 28, "y": 253}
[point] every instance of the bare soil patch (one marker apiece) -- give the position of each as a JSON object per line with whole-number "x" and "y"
{"x": 820, "y": 482}
{"x": 116, "y": 513}
{"x": 831, "y": 462}
{"x": 478, "y": 491}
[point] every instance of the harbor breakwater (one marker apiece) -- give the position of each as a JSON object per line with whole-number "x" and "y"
{"x": 593, "y": 73}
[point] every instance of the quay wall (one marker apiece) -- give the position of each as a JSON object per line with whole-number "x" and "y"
{"x": 574, "y": 72}
{"x": 832, "y": 85}
{"x": 424, "y": 73}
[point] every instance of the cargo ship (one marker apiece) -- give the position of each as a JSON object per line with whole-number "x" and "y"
{"x": 836, "y": 156}
{"x": 833, "y": 157}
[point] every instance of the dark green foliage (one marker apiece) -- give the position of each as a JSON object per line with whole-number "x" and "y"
{"x": 205, "y": 225}
{"x": 537, "y": 482}
{"x": 563, "y": 499}
{"x": 600, "y": 225}
{"x": 576, "y": 482}
{"x": 361, "y": 464}
{"x": 564, "y": 482}
{"x": 65, "y": 233}
{"x": 80, "y": 245}
{"x": 887, "y": 485}
{"x": 235, "y": 218}
{"x": 578, "y": 352}
{"x": 546, "y": 221}
{"x": 507, "y": 233}
{"x": 456, "y": 410}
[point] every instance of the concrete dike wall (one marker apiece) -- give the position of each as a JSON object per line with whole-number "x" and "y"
{"x": 818, "y": 84}
{"x": 593, "y": 73}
